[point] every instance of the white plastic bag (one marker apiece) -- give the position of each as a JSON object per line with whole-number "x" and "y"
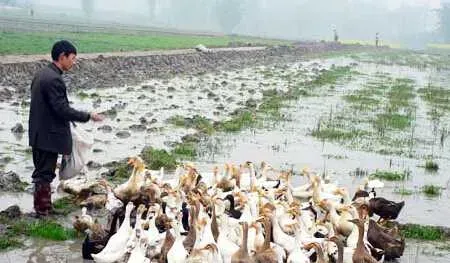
{"x": 74, "y": 164}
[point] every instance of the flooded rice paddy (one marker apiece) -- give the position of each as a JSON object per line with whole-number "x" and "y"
{"x": 372, "y": 116}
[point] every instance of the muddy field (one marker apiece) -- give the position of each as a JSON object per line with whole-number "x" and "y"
{"x": 352, "y": 114}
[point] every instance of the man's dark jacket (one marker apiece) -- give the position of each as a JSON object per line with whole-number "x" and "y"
{"x": 50, "y": 112}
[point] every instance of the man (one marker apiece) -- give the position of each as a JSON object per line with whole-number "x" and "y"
{"x": 377, "y": 39}
{"x": 49, "y": 123}
{"x": 336, "y": 37}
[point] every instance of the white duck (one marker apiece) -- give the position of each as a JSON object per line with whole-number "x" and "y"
{"x": 226, "y": 247}
{"x": 177, "y": 253}
{"x": 136, "y": 233}
{"x": 138, "y": 253}
{"x": 281, "y": 238}
{"x": 116, "y": 247}
{"x": 112, "y": 202}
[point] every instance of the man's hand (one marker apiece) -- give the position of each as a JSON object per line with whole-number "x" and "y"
{"x": 97, "y": 117}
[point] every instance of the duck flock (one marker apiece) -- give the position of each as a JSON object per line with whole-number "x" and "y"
{"x": 238, "y": 213}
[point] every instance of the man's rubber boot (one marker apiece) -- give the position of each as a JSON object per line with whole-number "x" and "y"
{"x": 42, "y": 199}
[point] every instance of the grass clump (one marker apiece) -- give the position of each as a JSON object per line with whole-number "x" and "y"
{"x": 431, "y": 190}
{"x": 82, "y": 95}
{"x": 45, "y": 229}
{"x": 360, "y": 99}
{"x": 200, "y": 123}
{"x": 65, "y": 205}
{"x": 334, "y": 134}
{"x": 157, "y": 158}
{"x": 431, "y": 165}
{"x": 185, "y": 150}
{"x": 415, "y": 231}
{"x": 389, "y": 175}
{"x": 238, "y": 122}
{"x": 49, "y": 230}
{"x": 7, "y": 241}
{"x": 392, "y": 120}
{"x": 331, "y": 76}
{"x": 403, "y": 191}
{"x": 123, "y": 170}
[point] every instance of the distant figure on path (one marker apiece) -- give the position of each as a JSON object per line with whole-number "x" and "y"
{"x": 377, "y": 39}
{"x": 336, "y": 37}
{"x": 49, "y": 122}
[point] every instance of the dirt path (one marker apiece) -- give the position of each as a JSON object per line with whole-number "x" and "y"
{"x": 8, "y": 59}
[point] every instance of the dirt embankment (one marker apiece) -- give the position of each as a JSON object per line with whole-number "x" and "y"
{"x": 117, "y": 69}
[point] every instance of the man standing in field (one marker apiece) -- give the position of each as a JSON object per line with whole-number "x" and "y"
{"x": 377, "y": 39}
{"x": 49, "y": 122}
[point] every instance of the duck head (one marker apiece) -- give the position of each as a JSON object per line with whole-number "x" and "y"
{"x": 137, "y": 163}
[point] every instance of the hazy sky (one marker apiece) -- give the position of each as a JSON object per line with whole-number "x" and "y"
{"x": 138, "y": 4}
{"x": 397, "y": 20}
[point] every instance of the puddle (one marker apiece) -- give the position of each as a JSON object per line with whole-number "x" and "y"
{"x": 284, "y": 144}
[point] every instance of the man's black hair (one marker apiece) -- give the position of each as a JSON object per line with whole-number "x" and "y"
{"x": 62, "y": 46}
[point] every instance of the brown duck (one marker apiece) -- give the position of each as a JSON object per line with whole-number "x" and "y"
{"x": 242, "y": 256}
{"x": 266, "y": 253}
{"x": 361, "y": 255}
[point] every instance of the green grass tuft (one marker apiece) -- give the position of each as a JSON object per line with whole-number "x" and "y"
{"x": 431, "y": 190}
{"x": 200, "y": 123}
{"x": 157, "y": 158}
{"x": 389, "y": 175}
{"x": 7, "y": 242}
{"x": 331, "y": 76}
{"x": 415, "y": 231}
{"x": 49, "y": 230}
{"x": 65, "y": 205}
{"x": 392, "y": 120}
{"x": 431, "y": 165}
{"x": 404, "y": 191}
{"x": 334, "y": 134}
{"x": 185, "y": 150}
{"x": 238, "y": 122}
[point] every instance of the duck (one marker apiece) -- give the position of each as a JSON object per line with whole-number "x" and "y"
{"x": 214, "y": 224}
{"x": 242, "y": 256}
{"x": 340, "y": 222}
{"x": 318, "y": 249}
{"x": 379, "y": 238}
{"x": 185, "y": 216}
{"x": 255, "y": 237}
{"x": 266, "y": 254}
{"x": 169, "y": 240}
{"x": 232, "y": 212}
{"x": 139, "y": 252}
{"x": 177, "y": 253}
{"x": 226, "y": 183}
{"x": 385, "y": 209}
{"x": 83, "y": 222}
{"x": 137, "y": 230}
{"x": 97, "y": 201}
{"x": 226, "y": 247}
{"x": 116, "y": 246}
{"x": 191, "y": 237}
{"x": 129, "y": 190}
{"x": 86, "y": 224}
{"x": 201, "y": 252}
{"x": 112, "y": 204}
{"x": 361, "y": 255}
{"x": 340, "y": 245}
{"x": 281, "y": 238}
